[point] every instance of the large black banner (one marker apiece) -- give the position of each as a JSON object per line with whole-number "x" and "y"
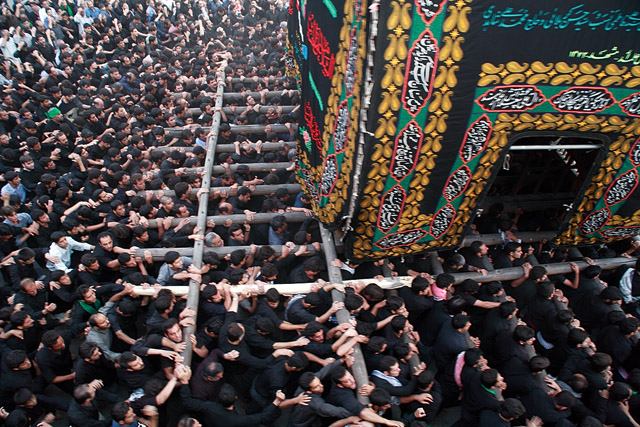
{"x": 452, "y": 84}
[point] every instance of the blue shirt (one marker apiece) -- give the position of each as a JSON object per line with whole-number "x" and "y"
{"x": 20, "y": 191}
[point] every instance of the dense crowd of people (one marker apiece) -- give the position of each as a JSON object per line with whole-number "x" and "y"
{"x": 104, "y": 117}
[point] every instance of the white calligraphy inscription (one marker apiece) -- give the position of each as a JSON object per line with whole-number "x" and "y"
{"x": 407, "y": 147}
{"x": 631, "y": 105}
{"x": 621, "y": 231}
{"x": 595, "y": 222}
{"x": 391, "y": 208}
{"x": 340, "y": 130}
{"x": 429, "y": 8}
{"x": 404, "y": 238}
{"x": 442, "y": 221}
{"x": 586, "y": 100}
{"x": 420, "y": 73}
{"x": 457, "y": 183}
{"x": 515, "y": 98}
{"x": 475, "y": 139}
{"x": 330, "y": 175}
{"x": 621, "y": 187}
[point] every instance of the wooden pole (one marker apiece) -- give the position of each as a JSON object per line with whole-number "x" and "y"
{"x": 398, "y": 282}
{"x": 238, "y": 128}
{"x": 253, "y": 167}
{"x": 230, "y": 148}
{"x": 496, "y": 239}
{"x": 193, "y": 298}
{"x": 259, "y": 218}
{"x": 359, "y": 367}
{"x": 260, "y": 190}
{"x": 158, "y": 253}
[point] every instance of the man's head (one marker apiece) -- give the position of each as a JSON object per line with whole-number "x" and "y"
{"x": 235, "y": 332}
{"x": 122, "y": 413}
{"x": 511, "y": 409}
{"x": 309, "y": 382}
{"x": 17, "y": 360}
{"x": 106, "y": 241}
{"x": 25, "y": 398}
{"x": 296, "y": 363}
{"x": 213, "y": 371}
{"x": 513, "y": 250}
{"x": 131, "y": 362}
{"x": 86, "y": 293}
{"x": 89, "y": 352}
{"x": 172, "y": 330}
{"x": 389, "y": 365}
{"x": 29, "y": 286}
{"x": 53, "y": 341}
{"x": 343, "y": 378}
{"x": 227, "y": 396}
{"x": 99, "y": 321}
{"x": 174, "y": 260}
{"x": 84, "y": 393}
{"x": 314, "y": 331}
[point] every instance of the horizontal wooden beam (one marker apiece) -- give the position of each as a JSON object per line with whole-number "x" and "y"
{"x": 237, "y": 128}
{"x": 261, "y": 190}
{"x": 496, "y": 239}
{"x": 259, "y": 218}
{"x": 158, "y": 253}
{"x": 286, "y": 109}
{"x": 230, "y": 148}
{"x": 253, "y": 167}
{"x": 398, "y": 282}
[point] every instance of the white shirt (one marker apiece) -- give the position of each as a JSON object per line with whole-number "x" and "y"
{"x": 65, "y": 254}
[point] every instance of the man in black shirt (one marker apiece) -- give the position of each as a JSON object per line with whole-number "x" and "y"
{"x": 83, "y": 409}
{"x": 134, "y": 371}
{"x": 54, "y": 361}
{"x": 18, "y": 372}
{"x": 222, "y": 413}
{"x": 343, "y": 394}
{"x": 276, "y": 377}
{"x": 92, "y": 365}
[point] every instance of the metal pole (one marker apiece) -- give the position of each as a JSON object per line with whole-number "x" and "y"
{"x": 555, "y": 147}
{"x": 359, "y": 367}
{"x": 198, "y": 248}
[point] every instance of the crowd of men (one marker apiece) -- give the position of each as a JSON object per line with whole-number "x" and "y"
{"x": 103, "y": 123}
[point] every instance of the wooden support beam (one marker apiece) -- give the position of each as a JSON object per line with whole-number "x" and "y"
{"x": 259, "y": 218}
{"x": 230, "y": 148}
{"x": 286, "y": 109}
{"x": 253, "y": 167}
{"x": 496, "y": 239}
{"x": 359, "y": 367}
{"x": 158, "y": 253}
{"x": 398, "y": 282}
{"x": 193, "y": 298}
{"x": 261, "y": 190}
{"x": 238, "y": 128}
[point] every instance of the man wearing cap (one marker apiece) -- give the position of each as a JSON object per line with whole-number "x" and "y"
{"x": 56, "y": 119}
